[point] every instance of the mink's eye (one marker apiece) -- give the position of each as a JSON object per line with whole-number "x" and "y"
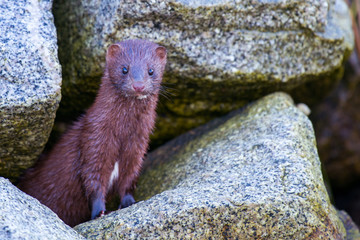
{"x": 151, "y": 71}
{"x": 125, "y": 70}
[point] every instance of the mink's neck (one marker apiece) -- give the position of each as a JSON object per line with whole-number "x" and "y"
{"x": 113, "y": 107}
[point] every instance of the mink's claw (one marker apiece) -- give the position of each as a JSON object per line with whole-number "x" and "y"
{"x": 98, "y": 208}
{"x": 101, "y": 214}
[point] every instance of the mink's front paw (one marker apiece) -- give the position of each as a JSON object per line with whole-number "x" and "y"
{"x": 98, "y": 208}
{"x": 127, "y": 201}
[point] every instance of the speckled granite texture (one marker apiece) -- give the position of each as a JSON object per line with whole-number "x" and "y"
{"x": 30, "y": 80}
{"x": 255, "y": 176}
{"x": 222, "y": 54}
{"x": 23, "y": 217}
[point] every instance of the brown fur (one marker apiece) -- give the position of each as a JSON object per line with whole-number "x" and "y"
{"x": 73, "y": 180}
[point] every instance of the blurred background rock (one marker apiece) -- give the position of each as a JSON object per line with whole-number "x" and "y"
{"x": 337, "y": 127}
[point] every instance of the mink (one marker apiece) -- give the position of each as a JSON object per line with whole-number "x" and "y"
{"x": 102, "y": 152}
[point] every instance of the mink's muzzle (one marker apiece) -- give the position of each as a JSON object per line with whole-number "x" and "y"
{"x": 138, "y": 86}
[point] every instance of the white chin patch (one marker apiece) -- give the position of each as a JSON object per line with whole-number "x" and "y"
{"x": 141, "y": 96}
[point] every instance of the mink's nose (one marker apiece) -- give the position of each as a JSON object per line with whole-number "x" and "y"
{"x": 138, "y": 86}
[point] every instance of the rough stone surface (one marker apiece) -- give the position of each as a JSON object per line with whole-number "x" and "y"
{"x": 254, "y": 176}
{"x": 352, "y": 230}
{"x": 23, "y": 217}
{"x": 30, "y": 79}
{"x": 221, "y": 53}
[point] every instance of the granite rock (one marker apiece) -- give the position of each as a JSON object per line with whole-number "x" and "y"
{"x": 352, "y": 229}
{"x": 23, "y": 217}
{"x": 221, "y": 53}
{"x": 253, "y": 175}
{"x": 30, "y": 80}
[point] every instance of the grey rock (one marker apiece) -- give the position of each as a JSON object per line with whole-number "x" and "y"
{"x": 30, "y": 80}
{"x": 222, "y": 54}
{"x": 352, "y": 229}
{"x": 23, "y": 217}
{"x": 255, "y": 175}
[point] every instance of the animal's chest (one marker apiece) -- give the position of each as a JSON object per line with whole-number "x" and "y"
{"x": 127, "y": 138}
{"x": 131, "y": 139}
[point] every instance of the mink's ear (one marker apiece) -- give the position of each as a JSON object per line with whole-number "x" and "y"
{"x": 161, "y": 53}
{"x": 113, "y": 51}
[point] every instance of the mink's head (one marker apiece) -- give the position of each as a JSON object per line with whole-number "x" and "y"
{"x": 136, "y": 67}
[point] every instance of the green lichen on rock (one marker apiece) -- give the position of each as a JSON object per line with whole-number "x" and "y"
{"x": 186, "y": 109}
{"x": 252, "y": 175}
{"x": 25, "y": 130}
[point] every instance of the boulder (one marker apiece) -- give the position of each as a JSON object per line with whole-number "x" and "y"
{"x": 254, "y": 174}
{"x": 222, "y": 53}
{"x": 30, "y": 80}
{"x": 23, "y": 217}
